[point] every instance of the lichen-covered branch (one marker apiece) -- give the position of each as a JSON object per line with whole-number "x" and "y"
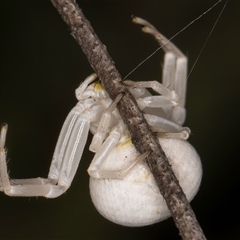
{"x": 142, "y": 136}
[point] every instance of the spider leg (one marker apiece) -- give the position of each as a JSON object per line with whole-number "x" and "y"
{"x": 174, "y": 70}
{"x": 20, "y": 187}
{"x": 111, "y": 141}
{"x": 160, "y": 124}
{"x": 184, "y": 134}
{"x": 106, "y": 173}
{"x": 69, "y": 148}
{"x": 66, "y": 158}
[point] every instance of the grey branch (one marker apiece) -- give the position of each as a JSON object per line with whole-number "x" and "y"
{"x": 142, "y": 136}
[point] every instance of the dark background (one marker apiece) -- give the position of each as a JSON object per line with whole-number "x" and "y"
{"x": 41, "y": 65}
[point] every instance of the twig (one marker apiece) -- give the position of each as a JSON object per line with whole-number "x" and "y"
{"x": 142, "y": 136}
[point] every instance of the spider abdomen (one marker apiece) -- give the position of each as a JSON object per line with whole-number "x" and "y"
{"x": 135, "y": 200}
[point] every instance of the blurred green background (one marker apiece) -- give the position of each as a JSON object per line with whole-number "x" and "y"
{"x": 41, "y": 65}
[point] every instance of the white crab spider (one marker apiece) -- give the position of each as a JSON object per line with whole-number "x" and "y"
{"x": 121, "y": 185}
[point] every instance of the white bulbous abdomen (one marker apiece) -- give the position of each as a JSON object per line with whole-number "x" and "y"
{"x": 135, "y": 200}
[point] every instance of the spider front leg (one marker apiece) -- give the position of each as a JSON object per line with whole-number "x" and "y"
{"x": 174, "y": 77}
{"x": 65, "y": 161}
